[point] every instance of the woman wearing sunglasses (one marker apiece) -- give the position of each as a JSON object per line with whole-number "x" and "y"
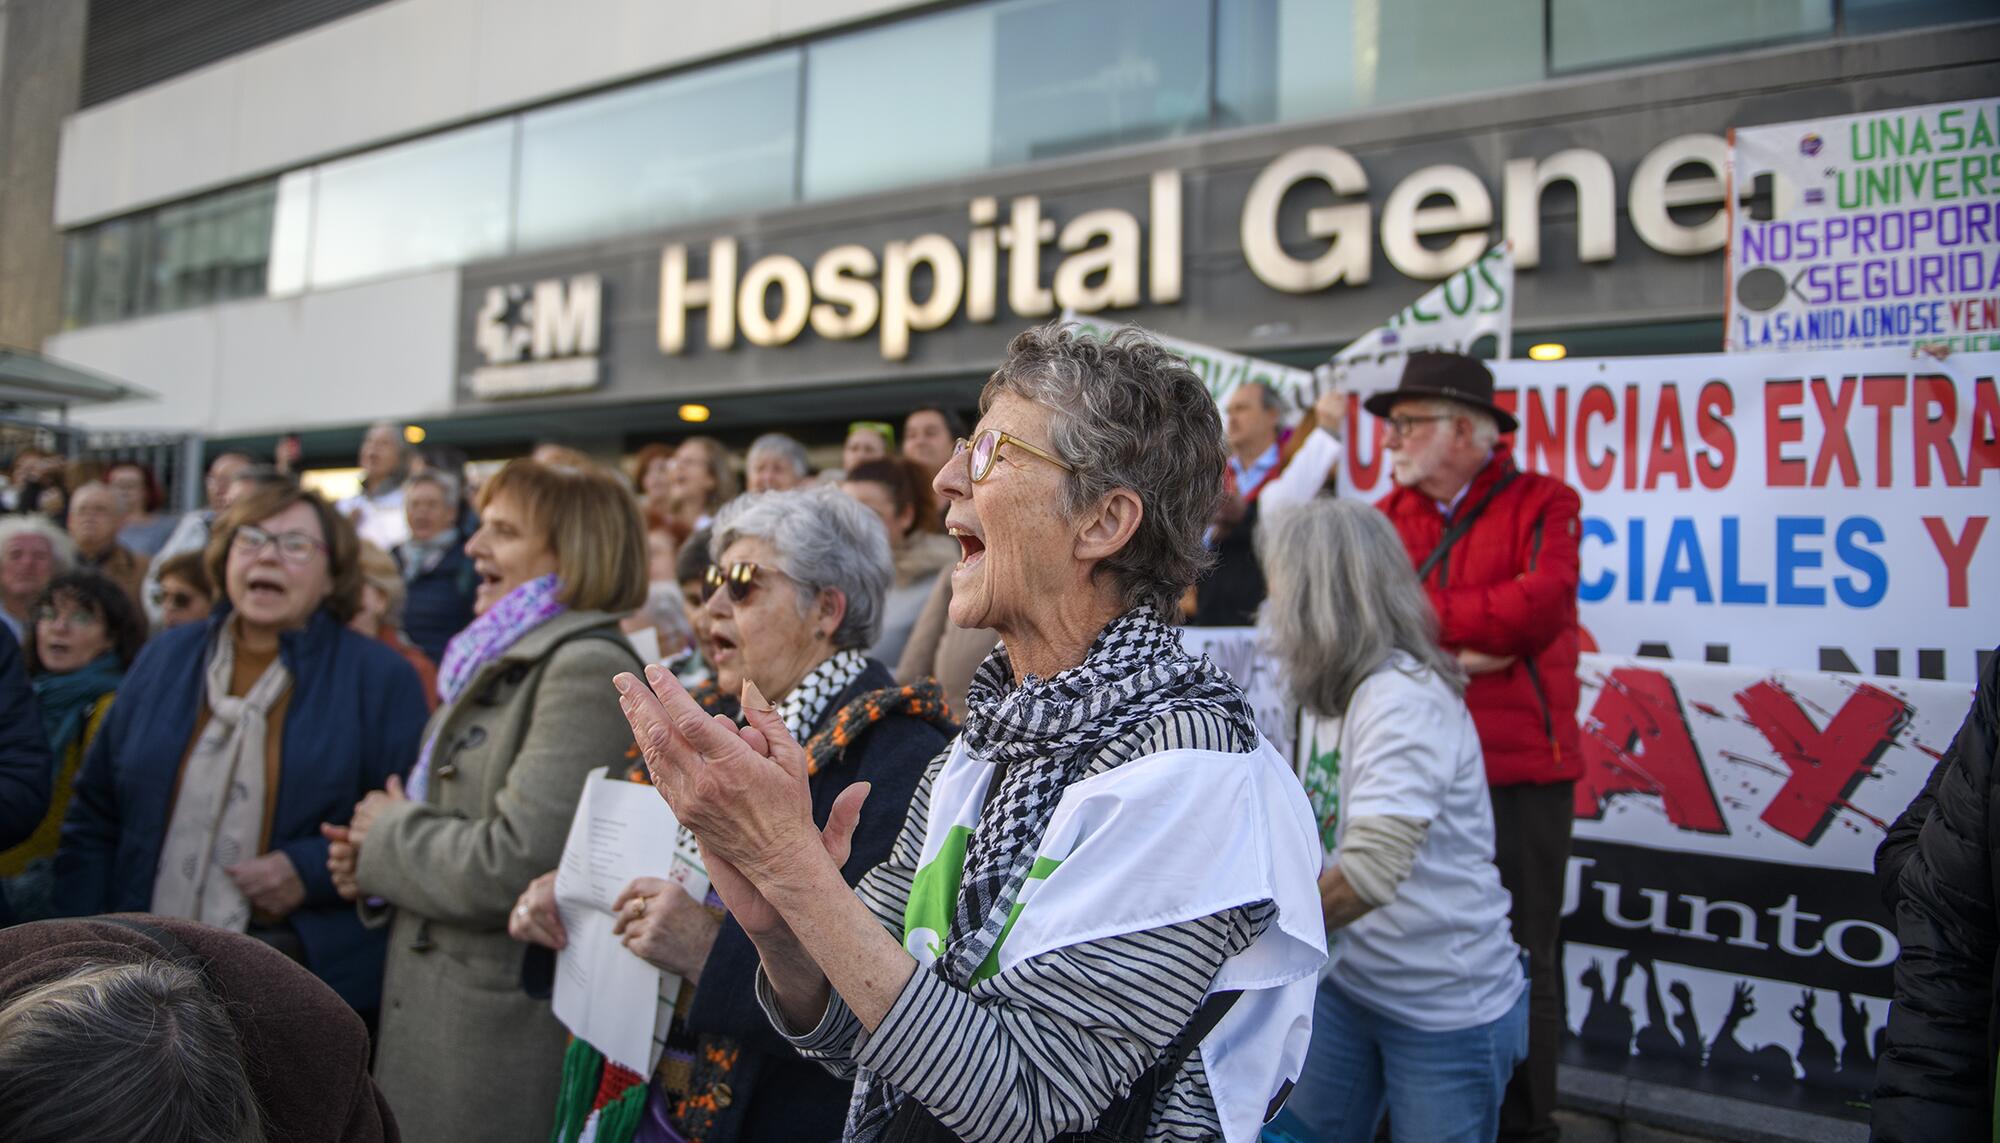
{"x": 794, "y": 596}
{"x": 232, "y": 739}
{"x": 1101, "y": 910}
{"x": 463, "y": 1053}
{"x": 82, "y": 638}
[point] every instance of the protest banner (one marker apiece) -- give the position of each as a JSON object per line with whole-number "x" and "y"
{"x": 1222, "y": 371}
{"x": 1723, "y": 926}
{"x": 1472, "y": 305}
{"x": 1885, "y": 230}
{"x": 1235, "y": 650}
{"x": 1806, "y": 511}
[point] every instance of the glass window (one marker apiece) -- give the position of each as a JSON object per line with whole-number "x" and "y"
{"x": 711, "y": 142}
{"x": 210, "y": 249}
{"x": 434, "y": 202}
{"x": 998, "y": 84}
{"x": 1287, "y": 60}
{"x": 1073, "y": 75}
{"x": 905, "y": 103}
{"x": 1861, "y": 17}
{"x": 1597, "y": 33}
{"x": 291, "y": 234}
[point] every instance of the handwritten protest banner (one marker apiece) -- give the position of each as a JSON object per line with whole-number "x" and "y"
{"x": 1885, "y": 230}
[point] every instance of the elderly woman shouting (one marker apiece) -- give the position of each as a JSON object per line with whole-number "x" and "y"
{"x": 1101, "y": 913}
{"x": 794, "y": 595}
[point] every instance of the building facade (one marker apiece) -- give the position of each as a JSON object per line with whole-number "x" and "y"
{"x": 510, "y": 220}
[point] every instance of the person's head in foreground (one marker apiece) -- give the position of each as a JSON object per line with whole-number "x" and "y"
{"x": 796, "y": 578}
{"x": 141, "y": 1052}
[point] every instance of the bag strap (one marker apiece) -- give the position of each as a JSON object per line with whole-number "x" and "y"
{"x": 1462, "y": 525}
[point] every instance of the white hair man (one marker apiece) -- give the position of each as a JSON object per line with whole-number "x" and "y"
{"x": 1496, "y": 550}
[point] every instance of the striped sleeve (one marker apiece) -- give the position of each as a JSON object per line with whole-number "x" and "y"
{"x": 885, "y": 889}
{"x": 1046, "y": 1046}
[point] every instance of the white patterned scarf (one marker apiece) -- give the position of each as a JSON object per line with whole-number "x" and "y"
{"x": 218, "y": 818}
{"x": 804, "y": 705}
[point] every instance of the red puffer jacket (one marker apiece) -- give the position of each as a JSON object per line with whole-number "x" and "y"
{"x": 1508, "y": 587}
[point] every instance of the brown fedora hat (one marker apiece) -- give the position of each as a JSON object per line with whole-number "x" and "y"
{"x": 1452, "y": 376}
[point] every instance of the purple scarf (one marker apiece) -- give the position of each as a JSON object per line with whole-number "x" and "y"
{"x": 519, "y": 612}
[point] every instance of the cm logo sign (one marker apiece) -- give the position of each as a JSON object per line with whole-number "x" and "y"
{"x": 539, "y": 338}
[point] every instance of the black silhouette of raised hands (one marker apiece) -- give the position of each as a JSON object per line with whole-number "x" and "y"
{"x": 741, "y": 791}
{"x": 1743, "y": 1004}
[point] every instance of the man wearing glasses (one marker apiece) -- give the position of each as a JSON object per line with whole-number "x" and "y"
{"x": 1496, "y": 549}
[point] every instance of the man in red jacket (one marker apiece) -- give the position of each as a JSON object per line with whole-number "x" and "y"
{"x": 1496, "y": 549}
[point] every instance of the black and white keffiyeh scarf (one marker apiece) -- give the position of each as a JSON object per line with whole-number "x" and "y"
{"x": 803, "y": 705}
{"x": 1042, "y": 736}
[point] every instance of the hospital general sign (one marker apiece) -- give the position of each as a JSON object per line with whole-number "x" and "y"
{"x": 1431, "y": 224}
{"x": 1296, "y": 236}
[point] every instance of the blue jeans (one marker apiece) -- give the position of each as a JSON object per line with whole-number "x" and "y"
{"x": 1438, "y": 1087}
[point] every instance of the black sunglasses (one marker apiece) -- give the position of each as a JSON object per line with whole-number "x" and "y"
{"x": 740, "y": 578}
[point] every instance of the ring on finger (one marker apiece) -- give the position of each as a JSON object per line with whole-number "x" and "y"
{"x": 638, "y": 907}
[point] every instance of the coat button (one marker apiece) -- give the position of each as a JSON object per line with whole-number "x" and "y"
{"x": 447, "y": 770}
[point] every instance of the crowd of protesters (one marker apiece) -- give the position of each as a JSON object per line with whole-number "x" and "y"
{"x": 992, "y": 856}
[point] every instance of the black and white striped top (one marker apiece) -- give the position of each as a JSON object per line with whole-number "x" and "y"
{"x": 1046, "y": 1046}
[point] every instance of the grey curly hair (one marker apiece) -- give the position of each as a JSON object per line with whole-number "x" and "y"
{"x": 1126, "y": 413}
{"x": 824, "y": 539}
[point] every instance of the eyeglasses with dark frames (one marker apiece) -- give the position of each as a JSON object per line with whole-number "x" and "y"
{"x": 295, "y": 547}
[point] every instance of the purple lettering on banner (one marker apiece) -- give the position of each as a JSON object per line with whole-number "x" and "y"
{"x": 1930, "y": 269}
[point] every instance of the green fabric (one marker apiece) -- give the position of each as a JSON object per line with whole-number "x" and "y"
{"x": 581, "y": 1067}
{"x": 934, "y": 894}
{"x": 1322, "y": 783}
{"x": 583, "y": 1072}
{"x": 66, "y": 699}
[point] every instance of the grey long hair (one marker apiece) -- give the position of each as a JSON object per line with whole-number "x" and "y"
{"x": 1343, "y": 598}
{"x": 824, "y": 539}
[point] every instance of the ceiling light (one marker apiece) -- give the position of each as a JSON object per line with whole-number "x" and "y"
{"x": 1548, "y": 351}
{"x": 414, "y": 434}
{"x": 694, "y": 413}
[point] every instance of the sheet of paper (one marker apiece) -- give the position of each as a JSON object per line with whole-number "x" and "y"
{"x": 621, "y": 830}
{"x": 646, "y": 641}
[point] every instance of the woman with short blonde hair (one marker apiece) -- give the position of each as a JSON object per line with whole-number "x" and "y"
{"x": 527, "y": 710}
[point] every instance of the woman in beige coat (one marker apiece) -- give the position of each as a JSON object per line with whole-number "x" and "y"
{"x": 528, "y": 710}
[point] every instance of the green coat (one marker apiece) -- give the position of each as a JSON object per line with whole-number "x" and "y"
{"x": 463, "y": 1053}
